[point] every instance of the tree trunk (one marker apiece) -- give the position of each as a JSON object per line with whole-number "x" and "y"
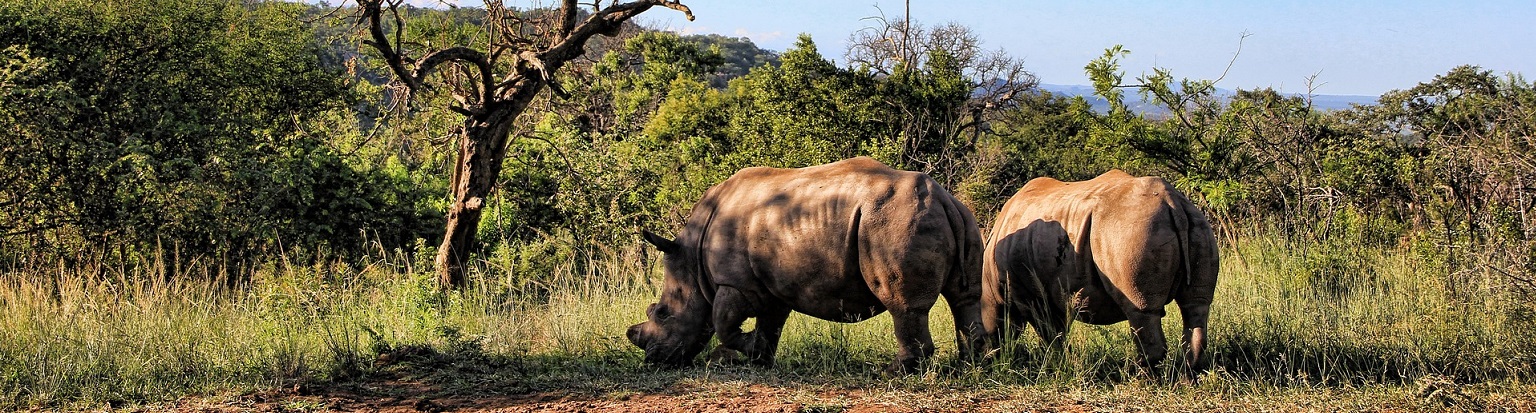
{"x": 489, "y": 107}
{"x": 482, "y": 148}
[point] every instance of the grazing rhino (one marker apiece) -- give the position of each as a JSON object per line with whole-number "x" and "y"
{"x": 841, "y": 242}
{"x": 1111, "y": 249}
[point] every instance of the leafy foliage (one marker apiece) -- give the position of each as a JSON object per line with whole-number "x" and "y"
{"x": 225, "y": 128}
{"x": 739, "y": 54}
{"x": 238, "y": 130}
{"x": 1197, "y": 144}
{"x": 1469, "y": 137}
{"x": 1445, "y": 163}
{"x": 1045, "y": 136}
{"x": 806, "y": 112}
{"x": 168, "y": 122}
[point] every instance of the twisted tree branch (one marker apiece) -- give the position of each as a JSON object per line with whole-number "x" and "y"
{"x": 372, "y": 13}
{"x": 606, "y": 22}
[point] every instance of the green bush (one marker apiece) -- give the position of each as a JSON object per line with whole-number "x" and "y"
{"x": 199, "y": 127}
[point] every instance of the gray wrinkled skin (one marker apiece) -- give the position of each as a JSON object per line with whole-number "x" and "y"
{"x": 841, "y": 242}
{"x": 1111, "y": 249}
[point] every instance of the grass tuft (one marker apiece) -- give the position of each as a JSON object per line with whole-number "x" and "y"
{"x": 1289, "y": 320}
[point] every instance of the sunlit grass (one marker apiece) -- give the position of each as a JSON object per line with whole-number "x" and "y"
{"x": 1286, "y": 318}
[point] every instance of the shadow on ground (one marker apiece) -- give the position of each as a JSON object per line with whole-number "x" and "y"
{"x": 423, "y": 379}
{"x": 462, "y": 378}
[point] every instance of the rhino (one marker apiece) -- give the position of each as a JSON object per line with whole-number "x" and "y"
{"x": 841, "y": 242}
{"x": 1114, "y": 248}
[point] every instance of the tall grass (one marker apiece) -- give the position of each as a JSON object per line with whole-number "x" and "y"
{"x": 1286, "y": 314}
{"x": 95, "y": 334}
{"x": 1297, "y": 313}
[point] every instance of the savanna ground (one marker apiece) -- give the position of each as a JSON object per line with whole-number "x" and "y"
{"x": 170, "y": 168}
{"x": 1293, "y": 330}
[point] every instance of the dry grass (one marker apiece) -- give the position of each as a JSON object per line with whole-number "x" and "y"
{"x": 1306, "y": 326}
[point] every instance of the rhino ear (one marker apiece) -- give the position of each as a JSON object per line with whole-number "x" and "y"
{"x": 663, "y": 244}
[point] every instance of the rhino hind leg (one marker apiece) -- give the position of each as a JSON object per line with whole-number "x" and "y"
{"x": 1147, "y": 329}
{"x": 1195, "y": 316}
{"x": 1195, "y": 298}
{"x": 913, "y": 338}
{"x": 1050, "y": 320}
{"x": 965, "y": 305}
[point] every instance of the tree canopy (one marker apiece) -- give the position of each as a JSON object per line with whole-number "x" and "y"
{"x": 195, "y": 123}
{"x": 231, "y": 129}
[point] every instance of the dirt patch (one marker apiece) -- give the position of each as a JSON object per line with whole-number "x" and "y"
{"x": 411, "y": 380}
{"x": 754, "y": 398}
{"x": 738, "y": 396}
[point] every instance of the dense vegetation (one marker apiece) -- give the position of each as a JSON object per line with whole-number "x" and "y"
{"x": 205, "y": 195}
{"x": 194, "y": 127}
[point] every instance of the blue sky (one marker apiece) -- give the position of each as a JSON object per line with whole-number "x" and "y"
{"x": 1354, "y": 47}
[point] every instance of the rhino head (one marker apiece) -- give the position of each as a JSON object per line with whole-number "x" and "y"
{"x": 677, "y": 325}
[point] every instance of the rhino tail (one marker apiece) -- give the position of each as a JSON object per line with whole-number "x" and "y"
{"x": 963, "y": 286}
{"x": 851, "y": 263}
{"x": 1181, "y": 229}
{"x": 960, "y": 223}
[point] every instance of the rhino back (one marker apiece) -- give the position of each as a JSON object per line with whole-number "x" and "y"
{"x": 1119, "y": 242}
{"x": 794, "y": 235}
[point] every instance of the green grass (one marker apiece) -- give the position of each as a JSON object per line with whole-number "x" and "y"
{"x": 1291, "y": 324}
{"x": 1331, "y": 314}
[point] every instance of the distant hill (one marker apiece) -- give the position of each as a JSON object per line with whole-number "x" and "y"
{"x": 1333, "y": 102}
{"x": 1322, "y": 102}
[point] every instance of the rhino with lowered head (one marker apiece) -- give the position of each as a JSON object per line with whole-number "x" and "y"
{"x": 841, "y": 242}
{"x": 1106, "y": 250}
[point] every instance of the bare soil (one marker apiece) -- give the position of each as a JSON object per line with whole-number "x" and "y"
{"x": 754, "y": 398}
{"x": 410, "y": 380}
{"x": 736, "y": 396}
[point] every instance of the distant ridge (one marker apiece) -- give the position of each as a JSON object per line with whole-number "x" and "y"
{"x": 1321, "y": 102}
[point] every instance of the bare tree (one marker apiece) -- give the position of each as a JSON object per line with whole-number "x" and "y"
{"x": 493, "y": 87}
{"x": 900, "y": 49}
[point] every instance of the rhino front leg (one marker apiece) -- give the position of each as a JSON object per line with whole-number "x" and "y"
{"x": 732, "y": 308}
{"x": 765, "y": 338}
